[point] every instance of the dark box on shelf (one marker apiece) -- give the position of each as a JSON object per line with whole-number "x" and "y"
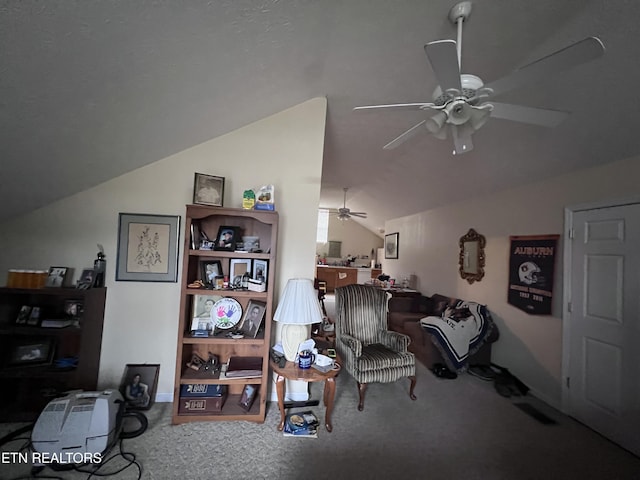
{"x": 202, "y": 390}
{"x": 201, "y": 405}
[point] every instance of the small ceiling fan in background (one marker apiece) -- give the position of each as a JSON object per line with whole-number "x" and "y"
{"x": 460, "y": 101}
{"x": 344, "y": 213}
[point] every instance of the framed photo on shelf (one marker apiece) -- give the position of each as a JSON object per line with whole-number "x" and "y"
{"x": 23, "y": 315}
{"x": 260, "y": 270}
{"x": 87, "y": 279}
{"x": 391, "y": 245}
{"x": 139, "y": 384}
{"x": 73, "y": 308}
{"x": 208, "y": 190}
{"x": 32, "y": 351}
{"x": 226, "y": 239}
{"x": 56, "y": 277}
{"x": 203, "y": 307}
{"x": 253, "y": 316}
{"x": 249, "y": 394}
{"x": 237, "y": 268}
{"x": 202, "y": 327}
{"x": 210, "y": 269}
{"x": 34, "y": 317}
{"x": 147, "y": 248}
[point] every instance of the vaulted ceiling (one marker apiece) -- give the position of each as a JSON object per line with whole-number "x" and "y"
{"x": 92, "y": 89}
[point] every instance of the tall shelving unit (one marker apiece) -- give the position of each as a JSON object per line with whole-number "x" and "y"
{"x": 27, "y": 388}
{"x": 262, "y": 224}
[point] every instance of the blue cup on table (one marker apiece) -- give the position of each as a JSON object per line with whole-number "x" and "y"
{"x": 306, "y": 359}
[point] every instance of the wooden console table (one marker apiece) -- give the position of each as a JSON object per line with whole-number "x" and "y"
{"x": 291, "y": 372}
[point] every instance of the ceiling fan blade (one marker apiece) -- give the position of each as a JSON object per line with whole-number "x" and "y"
{"x": 443, "y": 57}
{"x": 462, "y": 142}
{"x": 535, "y": 116}
{"x": 399, "y": 106}
{"x": 359, "y": 214}
{"x": 581, "y": 52}
{"x": 405, "y": 136}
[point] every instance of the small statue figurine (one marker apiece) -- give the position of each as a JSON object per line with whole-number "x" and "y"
{"x": 99, "y": 267}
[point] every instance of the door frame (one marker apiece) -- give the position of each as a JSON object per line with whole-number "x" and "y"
{"x": 566, "y": 283}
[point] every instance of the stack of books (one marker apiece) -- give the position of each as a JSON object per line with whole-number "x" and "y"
{"x": 301, "y": 424}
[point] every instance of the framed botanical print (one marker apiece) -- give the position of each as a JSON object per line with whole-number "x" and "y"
{"x": 148, "y": 248}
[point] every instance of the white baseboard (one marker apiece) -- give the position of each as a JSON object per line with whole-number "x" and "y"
{"x": 545, "y": 398}
{"x": 164, "y": 397}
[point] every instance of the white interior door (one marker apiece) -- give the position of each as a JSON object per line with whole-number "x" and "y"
{"x": 604, "y": 323}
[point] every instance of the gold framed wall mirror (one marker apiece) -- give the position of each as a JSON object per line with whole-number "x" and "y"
{"x": 472, "y": 256}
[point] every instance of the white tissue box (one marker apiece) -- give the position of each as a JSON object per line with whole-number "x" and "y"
{"x": 255, "y": 286}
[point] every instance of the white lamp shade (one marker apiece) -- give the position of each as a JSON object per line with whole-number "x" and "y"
{"x": 299, "y": 303}
{"x": 299, "y": 307}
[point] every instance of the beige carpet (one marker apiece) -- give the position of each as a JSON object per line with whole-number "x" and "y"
{"x": 457, "y": 429}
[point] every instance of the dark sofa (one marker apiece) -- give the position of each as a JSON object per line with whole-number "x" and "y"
{"x": 404, "y": 317}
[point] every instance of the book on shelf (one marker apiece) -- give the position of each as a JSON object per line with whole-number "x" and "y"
{"x": 244, "y": 367}
{"x": 301, "y": 424}
{"x": 57, "y": 323}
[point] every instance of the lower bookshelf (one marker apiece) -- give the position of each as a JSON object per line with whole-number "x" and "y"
{"x": 231, "y": 410}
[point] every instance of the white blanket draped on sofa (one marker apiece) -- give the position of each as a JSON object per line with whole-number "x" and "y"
{"x": 458, "y": 339}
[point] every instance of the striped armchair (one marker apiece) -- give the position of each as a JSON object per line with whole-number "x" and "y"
{"x": 370, "y": 352}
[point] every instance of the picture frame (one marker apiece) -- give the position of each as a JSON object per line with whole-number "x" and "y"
{"x": 253, "y": 318}
{"x": 201, "y": 311}
{"x": 27, "y": 351}
{"x": 208, "y": 190}
{"x": 249, "y": 394}
{"x": 260, "y": 270}
{"x": 147, "y": 247}
{"x": 139, "y": 384}
{"x": 391, "y": 245}
{"x": 226, "y": 239}
{"x": 23, "y": 315}
{"x": 73, "y": 308}
{"x": 210, "y": 269}
{"x": 56, "y": 277}
{"x": 87, "y": 279}
{"x": 34, "y": 317}
{"x": 194, "y": 232}
{"x": 237, "y": 268}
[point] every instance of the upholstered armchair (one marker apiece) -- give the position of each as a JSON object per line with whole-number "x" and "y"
{"x": 370, "y": 352}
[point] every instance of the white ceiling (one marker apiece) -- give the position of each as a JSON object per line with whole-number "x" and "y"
{"x": 92, "y": 89}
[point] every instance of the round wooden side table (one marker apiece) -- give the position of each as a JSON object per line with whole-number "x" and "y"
{"x": 291, "y": 371}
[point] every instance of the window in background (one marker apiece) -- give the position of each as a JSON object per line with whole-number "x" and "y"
{"x": 322, "y": 233}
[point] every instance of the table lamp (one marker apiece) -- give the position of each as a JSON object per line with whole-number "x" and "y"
{"x": 298, "y": 308}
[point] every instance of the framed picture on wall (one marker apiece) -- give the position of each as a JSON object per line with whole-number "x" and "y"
{"x": 391, "y": 245}
{"x": 147, "y": 248}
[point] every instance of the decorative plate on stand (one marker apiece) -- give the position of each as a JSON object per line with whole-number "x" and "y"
{"x": 226, "y": 313}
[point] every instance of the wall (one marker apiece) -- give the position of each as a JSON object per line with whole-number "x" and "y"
{"x": 530, "y": 346}
{"x": 356, "y": 239}
{"x": 141, "y": 318}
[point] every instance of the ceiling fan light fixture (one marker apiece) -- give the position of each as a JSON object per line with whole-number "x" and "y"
{"x": 480, "y": 115}
{"x": 435, "y": 123}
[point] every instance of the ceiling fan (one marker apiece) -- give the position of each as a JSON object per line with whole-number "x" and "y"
{"x": 345, "y": 213}
{"x": 460, "y": 101}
